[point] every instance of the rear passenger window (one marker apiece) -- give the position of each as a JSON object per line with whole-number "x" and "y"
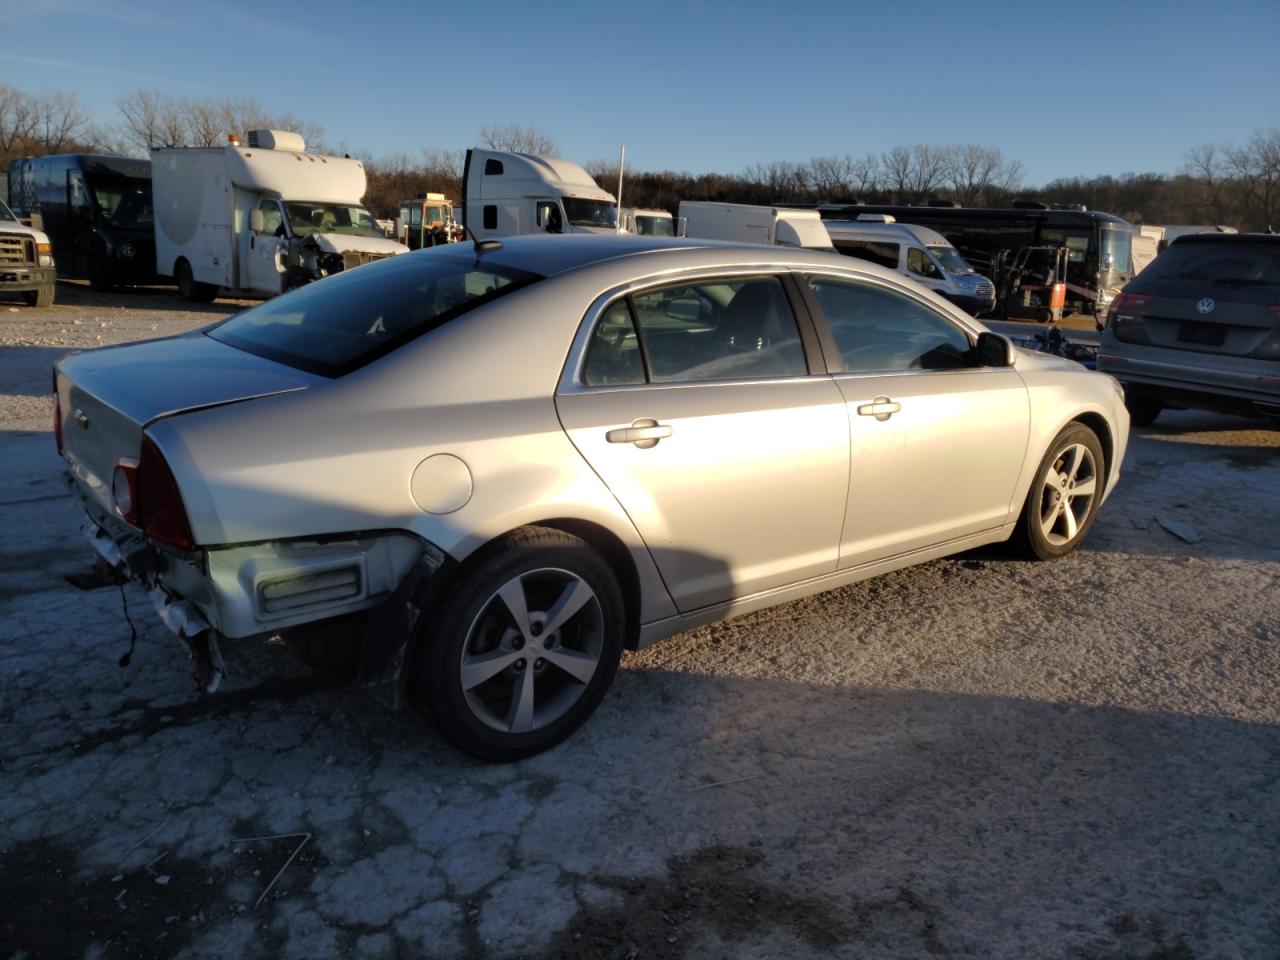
{"x": 739, "y": 329}
{"x": 491, "y": 216}
{"x": 613, "y": 355}
{"x": 880, "y": 331}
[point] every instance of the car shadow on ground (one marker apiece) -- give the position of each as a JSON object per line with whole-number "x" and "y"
{"x": 28, "y": 371}
{"x": 78, "y": 293}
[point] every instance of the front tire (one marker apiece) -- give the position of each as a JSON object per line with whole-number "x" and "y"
{"x": 524, "y": 647}
{"x": 42, "y": 297}
{"x": 1064, "y": 496}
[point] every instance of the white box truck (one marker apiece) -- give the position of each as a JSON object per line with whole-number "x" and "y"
{"x": 744, "y": 223}
{"x": 259, "y": 219}
{"x": 505, "y": 194}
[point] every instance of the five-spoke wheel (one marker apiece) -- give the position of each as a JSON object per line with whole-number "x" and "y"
{"x": 1064, "y": 496}
{"x": 526, "y": 646}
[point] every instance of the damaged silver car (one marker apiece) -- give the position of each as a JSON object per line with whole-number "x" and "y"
{"x": 489, "y": 468}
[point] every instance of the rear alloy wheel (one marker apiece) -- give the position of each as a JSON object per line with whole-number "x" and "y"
{"x": 1143, "y": 410}
{"x": 525, "y": 650}
{"x": 1064, "y": 496}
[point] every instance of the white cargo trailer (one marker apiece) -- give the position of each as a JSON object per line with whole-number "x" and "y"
{"x": 261, "y": 218}
{"x": 744, "y": 223}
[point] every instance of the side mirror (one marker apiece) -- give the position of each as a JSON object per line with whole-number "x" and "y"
{"x": 544, "y": 217}
{"x": 993, "y": 350}
{"x": 682, "y": 226}
{"x": 255, "y": 220}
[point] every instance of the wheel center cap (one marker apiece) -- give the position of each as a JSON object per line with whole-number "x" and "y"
{"x": 533, "y": 651}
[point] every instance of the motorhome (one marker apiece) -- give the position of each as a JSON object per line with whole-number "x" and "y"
{"x": 96, "y": 210}
{"x": 750, "y": 224}
{"x": 505, "y": 194}
{"x": 648, "y": 223}
{"x": 261, "y": 218}
{"x": 916, "y": 252}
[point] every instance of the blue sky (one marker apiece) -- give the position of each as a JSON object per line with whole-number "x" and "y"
{"x": 1067, "y": 88}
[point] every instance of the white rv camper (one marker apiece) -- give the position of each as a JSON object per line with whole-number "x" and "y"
{"x": 505, "y": 194}
{"x": 261, "y": 218}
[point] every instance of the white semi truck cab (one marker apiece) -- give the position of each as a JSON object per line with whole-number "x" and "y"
{"x": 260, "y": 219}
{"x": 505, "y": 194}
{"x": 648, "y": 223}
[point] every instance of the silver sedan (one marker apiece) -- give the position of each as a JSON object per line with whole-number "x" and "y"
{"x": 481, "y": 472}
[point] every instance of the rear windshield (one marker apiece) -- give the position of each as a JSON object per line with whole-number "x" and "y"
{"x": 347, "y": 320}
{"x": 1222, "y": 264}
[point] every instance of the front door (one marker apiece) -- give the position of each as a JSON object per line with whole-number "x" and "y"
{"x": 696, "y": 407}
{"x": 79, "y": 225}
{"x": 936, "y": 442}
{"x": 266, "y": 251}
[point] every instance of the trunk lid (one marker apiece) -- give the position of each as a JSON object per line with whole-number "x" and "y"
{"x": 106, "y": 397}
{"x": 1231, "y": 319}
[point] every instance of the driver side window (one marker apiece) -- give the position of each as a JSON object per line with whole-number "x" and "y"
{"x": 272, "y": 221}
{"x": 879, "y": 331}
{"x": 919, "y": 263}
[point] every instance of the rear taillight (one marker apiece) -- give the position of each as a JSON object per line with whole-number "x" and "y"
{"x": 57, "y": 414}
{"x": 124, "y": 489}
{"x": 158, "y": 504}
{"x": 1126, "y": 301}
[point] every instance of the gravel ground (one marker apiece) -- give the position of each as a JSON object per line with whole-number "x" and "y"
{"x": 977, "y": 757}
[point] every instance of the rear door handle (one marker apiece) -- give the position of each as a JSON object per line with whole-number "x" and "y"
{"x": 882, "y": 408}
{"x": 644, "y": 433}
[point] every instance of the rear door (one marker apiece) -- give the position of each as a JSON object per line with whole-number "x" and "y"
{"x": 936, "y": 442}
{"x": 704, "y": 411}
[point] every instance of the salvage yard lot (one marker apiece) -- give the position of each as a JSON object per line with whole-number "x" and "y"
{"x": 976, "y": 757}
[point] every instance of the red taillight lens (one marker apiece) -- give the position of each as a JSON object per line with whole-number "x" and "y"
{"x": 57, "y": 414}
{"x": 159, "y": 505}
{"x": 1125, "y": 301}
{"x": 124, "y": 490}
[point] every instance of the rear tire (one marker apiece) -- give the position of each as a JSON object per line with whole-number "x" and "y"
{"x": 1143, "y": 410}
{"x": 522, "y": 647}
{"x": 191, "y": 289}
{"x": 1064, "y": 496}
{"x": 39, "y": 298}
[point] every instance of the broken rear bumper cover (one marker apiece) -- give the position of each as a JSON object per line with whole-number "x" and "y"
{"x": 260, "y": 589}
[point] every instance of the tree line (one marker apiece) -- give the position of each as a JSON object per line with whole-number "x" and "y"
{"x": 1235, "y": 184}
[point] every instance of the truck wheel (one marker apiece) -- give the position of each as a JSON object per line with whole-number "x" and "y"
{"x": 521, "y": 651}
{"x": 191, "y": 289}
{"x": 39, "y": 298}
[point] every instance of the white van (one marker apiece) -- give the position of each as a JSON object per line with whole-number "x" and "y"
{"x": 261, "y": 218}
{"x": 744, "y": 223}
{"x": 924, "y": 255}
{"x": 505, "y": 194}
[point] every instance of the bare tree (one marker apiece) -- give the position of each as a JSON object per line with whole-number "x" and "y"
{"x": 1256, "y": 168}
{"x": 61, "y": 120}
{"x": 864, "y": 174}
{"x": 830, "y": 178}
{"x": 914, "y": 172}
{"x": 204, "y": 124}
{"x": 782, "y": 179}
{"x": 973, "y": 171}
{"x": 512, "y": 136}
{"x": 17, "y": 120}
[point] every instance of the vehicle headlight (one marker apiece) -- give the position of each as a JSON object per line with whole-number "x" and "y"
{"x": 44, "y": 254}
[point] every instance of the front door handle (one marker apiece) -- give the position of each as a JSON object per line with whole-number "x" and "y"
{"x": 644, "y": 433}
{"x": 882, "y": 408}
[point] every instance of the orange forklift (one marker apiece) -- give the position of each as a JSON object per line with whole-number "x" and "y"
{"x": 427, "y": 221}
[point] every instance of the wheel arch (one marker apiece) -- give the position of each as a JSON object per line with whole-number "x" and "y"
{"x": 1102, "y": 430}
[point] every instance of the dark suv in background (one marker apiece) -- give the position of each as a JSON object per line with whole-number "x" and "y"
{"x": 1200, "y": 327}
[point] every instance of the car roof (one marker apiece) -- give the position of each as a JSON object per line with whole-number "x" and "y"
{"x": 550, "y": 255}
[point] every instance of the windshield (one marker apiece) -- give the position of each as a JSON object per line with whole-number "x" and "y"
{"x": 950, "y": 260}
{"x": 437, "y": 214}
{"x": 651, "y": 226}
{"x": 123, "y": 202}
{"x": 1117, "y": 252}
{"x": 5, "y": 212}
{"x": 353, "y": 317}
{"x": 308, "y": 218}
{"x": 590, "y": 213}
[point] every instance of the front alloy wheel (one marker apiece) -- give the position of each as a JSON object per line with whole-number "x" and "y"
{"x": 1064, "y": 496}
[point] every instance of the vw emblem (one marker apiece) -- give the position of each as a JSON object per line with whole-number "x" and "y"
{"x": 1205, "y": 306}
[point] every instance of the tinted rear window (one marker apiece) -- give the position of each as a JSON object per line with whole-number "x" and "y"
{"x": 349, "y": 319}
{"x": 1230, "y": 263}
